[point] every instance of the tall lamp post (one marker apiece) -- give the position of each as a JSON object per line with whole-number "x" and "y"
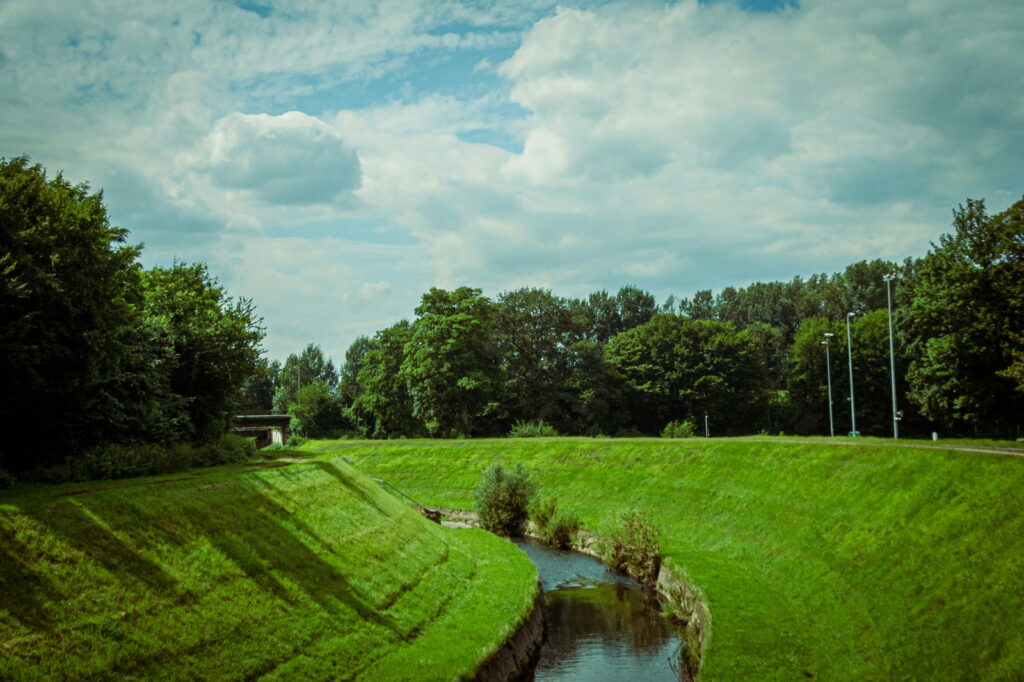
{"x": 892, "y": 357}
{"x": 849, "y": 358}
{"x": 828, "y": 377}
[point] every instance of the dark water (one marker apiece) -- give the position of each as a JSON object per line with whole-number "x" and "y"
{"x": 600, "y": 625}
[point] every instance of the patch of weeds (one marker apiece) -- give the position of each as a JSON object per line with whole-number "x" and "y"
{"x": 679, "y": 429}
{"x": 558, "y": 527}
{"x": 534, "y": 429}
{"x": 633, "y": 546}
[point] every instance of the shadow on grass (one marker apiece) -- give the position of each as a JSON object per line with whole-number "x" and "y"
{"x": 280, "y": 554}
{"x": 25, "y": 591}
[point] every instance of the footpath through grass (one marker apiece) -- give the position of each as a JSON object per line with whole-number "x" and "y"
{"x": 307, "y": 571}
{"x": 856, "y": 562}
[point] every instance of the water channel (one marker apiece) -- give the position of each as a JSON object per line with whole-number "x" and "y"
{"x": 600, "y": 625}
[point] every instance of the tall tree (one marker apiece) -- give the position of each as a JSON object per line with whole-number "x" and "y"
{"x": 308, "y": 367}
{"x": 259, "y": 388}
{"x": 602, "y": 315}
{"x": 452, "y": 364}
{"x": 533, "y": 330}
{"x": 960, "y": 313}
{"x": 381, "y": 406}
{"x": 681, "y": 368}
{"x": 69, "y": 293}
{"x": 216, "y": 341}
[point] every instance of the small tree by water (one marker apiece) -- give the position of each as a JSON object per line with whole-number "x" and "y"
{"x": 503, "y": 497}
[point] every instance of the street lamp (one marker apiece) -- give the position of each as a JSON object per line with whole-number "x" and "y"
{"x": 892, "y": 357}
{"x": 849, "y": 358}
{"x": 828, "y": 376}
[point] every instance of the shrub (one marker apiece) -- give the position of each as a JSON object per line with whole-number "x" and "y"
{"x": 295, "y": 440}
{"x": 633, "y": 546}
{"x": 537, "y": 429}
{"x": 502, "y": 499}
{"x": 231, "y": 448}
{"x": 677, "y": 429}
{"x": 555, "y": 526}
{"x": 125, "y": 460}
{"x": 6, "y": 479}
{"x": 316, "y": 412}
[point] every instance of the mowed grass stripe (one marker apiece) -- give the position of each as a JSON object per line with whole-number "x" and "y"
{"x": 308, "y": 571}
{"x": 863, "y": 561}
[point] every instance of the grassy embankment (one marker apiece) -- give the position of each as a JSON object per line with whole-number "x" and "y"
{"x": 862, "y": 562}
{"x": 308, "y": 571}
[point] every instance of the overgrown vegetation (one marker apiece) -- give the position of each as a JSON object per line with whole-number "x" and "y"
{"x": 858, "y": 560}
{"x": 632, "y": 546}
{"x": 145, "y": 459}
{"x": 678, "y": 429}
{"x": 532, "y": 429}
{"x": 555, "y": 525}
{"x": 503, "y": 498}
{"x": 102, "y": 356}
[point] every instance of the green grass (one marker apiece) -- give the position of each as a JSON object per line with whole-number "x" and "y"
{"x": 304, "y": 571}
{"x": 868, "y": 561}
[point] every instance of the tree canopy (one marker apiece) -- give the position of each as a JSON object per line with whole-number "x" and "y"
{"x": 96, "y": 350}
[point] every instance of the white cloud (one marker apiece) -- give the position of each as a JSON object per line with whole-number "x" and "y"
{"x": 287, "y": 159}
{"x": 676, "y": 146}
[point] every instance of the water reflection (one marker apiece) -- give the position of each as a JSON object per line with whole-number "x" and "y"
{"x": 600, "y": 625}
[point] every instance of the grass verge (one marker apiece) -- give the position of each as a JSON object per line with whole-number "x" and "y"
{"x": 297, "y": 570}
{"x": 867, "y": 561}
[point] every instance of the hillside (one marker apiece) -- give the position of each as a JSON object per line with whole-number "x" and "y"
{"x": 304, "y": 571}
{"x": 860, "y": 561}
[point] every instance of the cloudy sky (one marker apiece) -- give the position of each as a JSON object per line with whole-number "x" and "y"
{"x": 334, "y": 160}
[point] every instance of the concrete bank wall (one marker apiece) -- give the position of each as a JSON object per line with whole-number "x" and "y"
{"x": 516, "y": 658}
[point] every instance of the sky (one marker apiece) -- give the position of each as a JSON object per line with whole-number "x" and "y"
{"x": 332, "y": 161}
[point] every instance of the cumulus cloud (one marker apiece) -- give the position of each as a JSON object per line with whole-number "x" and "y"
{"x": 287, "y": 159}
{"x": 674, "y": 146}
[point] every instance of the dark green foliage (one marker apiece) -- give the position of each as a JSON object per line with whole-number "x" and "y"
{"x": 535, "y": 429}
{"x": 451, "y": 365}
{"x": 68, "y": 291}
{"x": 502, "y": 499}
{"x": 316, "y": 412}
{"x": 216, "y": 341}
{"x": 259, "y": 388}
{"x": 309, "y": 367}
{"x": 602, "y": 315}
{"x": 555, "y": 526}
{"x": 120, "y": 460}
{"x": 961, "y": 321}
{"x": 678, "y": 366}
{"x": 534, "y": 330}
{"x": 679, "y": 429}
{"x": 633, "y": 546}
{"x": 381, "y": 406}
{"x": 98, "y": 352}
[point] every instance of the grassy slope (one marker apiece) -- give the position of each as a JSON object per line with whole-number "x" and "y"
{"x": 303, "y": 572}
{"x": 856, "y": 562}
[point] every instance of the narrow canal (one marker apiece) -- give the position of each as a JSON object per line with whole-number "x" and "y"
{"x": 600, "y": 625}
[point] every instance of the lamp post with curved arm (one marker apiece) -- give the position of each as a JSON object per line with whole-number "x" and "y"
{"x": 828, "y": 377}
{"x": 849, "y": 358}
{"x": 892, "y": 357}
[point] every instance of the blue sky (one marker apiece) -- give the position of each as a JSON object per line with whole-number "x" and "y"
{"x": 332, "y": 161}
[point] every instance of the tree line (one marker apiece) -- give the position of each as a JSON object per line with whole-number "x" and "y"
{"x": 750, "y": 359}
{"x": 97, "y": 351}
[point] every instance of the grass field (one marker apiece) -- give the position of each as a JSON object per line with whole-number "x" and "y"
{"x": 857, "y": 562}
{"x": 307, "y": 571}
